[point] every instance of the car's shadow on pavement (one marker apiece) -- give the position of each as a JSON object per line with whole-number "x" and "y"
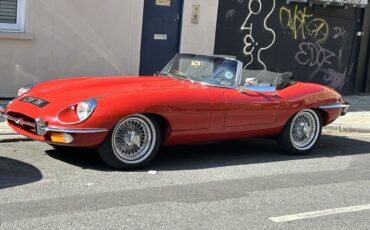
{"x": 250, "y": 151}
{"x": 227, "y": 153}
{"x": 14, "y": 173}
{"x": 83, "y": 158}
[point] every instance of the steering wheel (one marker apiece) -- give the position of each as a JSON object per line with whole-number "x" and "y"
{"x": 223, "y": 77}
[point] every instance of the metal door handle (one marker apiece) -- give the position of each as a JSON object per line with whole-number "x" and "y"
{"x": 177, "y": 18}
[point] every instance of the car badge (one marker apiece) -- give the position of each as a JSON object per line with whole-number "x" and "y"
{"x": 20, "y": 121}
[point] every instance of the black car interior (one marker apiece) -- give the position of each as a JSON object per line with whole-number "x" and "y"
{"x": 279, "y": 80}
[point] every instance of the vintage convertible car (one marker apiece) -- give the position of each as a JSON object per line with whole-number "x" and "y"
{"x": 193, "y": 99}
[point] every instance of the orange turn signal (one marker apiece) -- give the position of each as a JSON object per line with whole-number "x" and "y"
{"x": 61, "y": 138}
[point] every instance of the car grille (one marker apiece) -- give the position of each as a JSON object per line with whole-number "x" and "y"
{"x": 22, "y": 121}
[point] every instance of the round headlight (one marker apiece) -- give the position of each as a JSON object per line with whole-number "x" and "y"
{"x": 85, "y": 109}
{"x": 24, "y": 90}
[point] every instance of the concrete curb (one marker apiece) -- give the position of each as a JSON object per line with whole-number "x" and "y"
{"x": 348, "y": 128}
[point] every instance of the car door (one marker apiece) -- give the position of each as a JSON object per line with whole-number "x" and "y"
{"x": 251, "y": 110}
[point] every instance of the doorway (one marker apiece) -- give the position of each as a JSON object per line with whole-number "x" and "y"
{"x": 160, "y": 34}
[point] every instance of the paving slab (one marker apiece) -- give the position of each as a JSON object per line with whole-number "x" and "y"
{"x": 358, "y": 117}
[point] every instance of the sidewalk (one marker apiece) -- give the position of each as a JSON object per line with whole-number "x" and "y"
{"x": 358, "y": 117}
{"x": 356, "y": 120}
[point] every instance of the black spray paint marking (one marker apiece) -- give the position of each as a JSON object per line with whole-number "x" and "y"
{"x": 339, "y": 32}
{"x": 333, "y": 78}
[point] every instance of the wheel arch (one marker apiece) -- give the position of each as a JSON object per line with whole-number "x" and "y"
{"x": 324, "y": 116}
{"x": 164, "y": 124}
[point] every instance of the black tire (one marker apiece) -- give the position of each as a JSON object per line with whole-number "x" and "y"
{"x": 287, "y": 139}
{"x": 115, "y": 149}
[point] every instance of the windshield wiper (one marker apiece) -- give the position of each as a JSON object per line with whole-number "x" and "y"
{"x": 166, "y": 74}
{"x": 177, "y": 76}
{"x": 184, "y": 77}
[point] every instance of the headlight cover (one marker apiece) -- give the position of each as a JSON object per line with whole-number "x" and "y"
{"x": 24, "y": 90}
{"x": 85, "y": 109}
{"x": 77, "y": 113}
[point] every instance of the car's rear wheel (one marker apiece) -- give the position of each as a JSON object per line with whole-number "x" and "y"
{"x": 132, "y": 144}
{"x": 302, "y": 133}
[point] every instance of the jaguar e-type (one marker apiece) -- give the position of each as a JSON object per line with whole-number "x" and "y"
{"x": 194, "y": 99}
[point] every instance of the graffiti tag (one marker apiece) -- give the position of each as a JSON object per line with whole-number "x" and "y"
{"x": 302, "y": 24}
{"x": 313, "y": 55}
{"x": 251, "y": 47}
{"x": 339, "y": 32}
{"x": 333, "y": 78}
{"x": 230, "y": 13}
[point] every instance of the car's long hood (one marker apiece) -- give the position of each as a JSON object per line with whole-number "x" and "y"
{"x": 66, "y": 92}
{"x": 76, "y": 89}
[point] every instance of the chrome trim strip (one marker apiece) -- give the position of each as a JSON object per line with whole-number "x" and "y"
{"x": 68, "y": 130}
{"x": 41, "y": 129}
{"x": 18, "y": 121}
{"x": 334, "y": 106}
{"x": 238, "y": 80}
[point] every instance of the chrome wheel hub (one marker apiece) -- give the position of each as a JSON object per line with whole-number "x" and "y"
{"x": 131, "y": 138}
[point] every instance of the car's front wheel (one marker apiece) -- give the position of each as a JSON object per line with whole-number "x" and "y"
{"x": 302, "y": 133}
{"x": 132, "y": 144}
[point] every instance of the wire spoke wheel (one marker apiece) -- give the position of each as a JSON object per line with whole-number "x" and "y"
{"x": 304, "y": 129}
{"x": 133, "y": 139}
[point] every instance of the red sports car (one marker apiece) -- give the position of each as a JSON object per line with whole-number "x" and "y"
{"x": 193, "y": 99}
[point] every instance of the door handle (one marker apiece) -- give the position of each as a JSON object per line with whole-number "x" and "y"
{"x": 177, "y": 18}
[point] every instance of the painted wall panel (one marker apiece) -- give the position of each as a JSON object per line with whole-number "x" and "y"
{"x": 199, "y": 38}
{"x": 73, "y": 38}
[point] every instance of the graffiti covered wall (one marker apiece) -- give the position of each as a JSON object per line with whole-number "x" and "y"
{"x": 316, "y": 43}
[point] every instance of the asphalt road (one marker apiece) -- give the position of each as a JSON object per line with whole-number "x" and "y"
{"x": 244, "y": 184}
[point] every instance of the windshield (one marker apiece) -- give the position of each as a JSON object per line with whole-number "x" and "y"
{"x": 216, "y": 71}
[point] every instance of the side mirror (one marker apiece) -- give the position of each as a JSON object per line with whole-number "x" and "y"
{"x": 271, "y": 90}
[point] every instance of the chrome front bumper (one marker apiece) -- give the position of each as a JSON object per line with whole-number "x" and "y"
{"x": 344, "y": 105}
{"x": 41, "y": 128}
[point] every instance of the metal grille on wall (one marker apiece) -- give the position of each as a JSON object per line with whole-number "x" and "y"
{"x": 318, "y": 43}
{"x": 8, "y": 11}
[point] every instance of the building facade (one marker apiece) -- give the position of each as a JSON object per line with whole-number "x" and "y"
{"x": 47, "y": 39}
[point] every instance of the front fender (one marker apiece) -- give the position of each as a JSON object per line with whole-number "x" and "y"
{"x": 184, "y": 109}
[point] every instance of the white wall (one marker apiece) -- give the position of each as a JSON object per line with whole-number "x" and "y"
{"x": 73, "y": 38}
{"x": 199, "y": 38}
